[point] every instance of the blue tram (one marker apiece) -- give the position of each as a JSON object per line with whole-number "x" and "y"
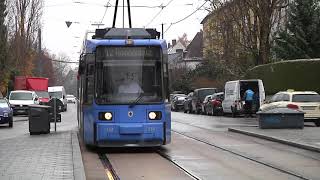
{"x": 123, "y": 89}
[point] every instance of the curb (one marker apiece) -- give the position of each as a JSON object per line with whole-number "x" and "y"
{"x": 78, "y": 168}
{"x": 276, "y": 139}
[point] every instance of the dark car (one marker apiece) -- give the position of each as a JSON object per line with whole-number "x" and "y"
{"x": 214, "y": 104}
{"x": 177, "y": 102}
{"x": 175, "y": 93}
{"x": 6, "y": 115}
{"x": 198, "y": 98}
{"x": 187, "y": 103}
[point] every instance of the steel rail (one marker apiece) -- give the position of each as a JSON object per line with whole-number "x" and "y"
{"x": 110, "y": 172}
{"x": 177, "y": 165}
{"x": 285, "y": 171}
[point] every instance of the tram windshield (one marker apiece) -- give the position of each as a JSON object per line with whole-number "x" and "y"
{"x": 128, "y": 75}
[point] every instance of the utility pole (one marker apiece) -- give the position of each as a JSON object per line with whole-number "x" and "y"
{"x": 162, "y": 30}
{"x": 39, "y": 53}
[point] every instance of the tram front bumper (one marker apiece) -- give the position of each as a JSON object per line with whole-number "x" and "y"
{"x": 129, "y": 134}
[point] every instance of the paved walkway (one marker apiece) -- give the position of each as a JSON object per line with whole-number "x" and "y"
{"x": 307, "y": 138}
{"x": 41, "y": 157}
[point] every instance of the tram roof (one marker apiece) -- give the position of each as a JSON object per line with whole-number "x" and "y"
{"x": 92, "y": 44}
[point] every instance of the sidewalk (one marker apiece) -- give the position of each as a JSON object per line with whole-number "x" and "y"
{"x": 53, "y": 156}
{"x": 307, "y": 138}
{"x": 50, "y": 156}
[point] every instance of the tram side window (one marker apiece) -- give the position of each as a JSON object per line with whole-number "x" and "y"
{"x": 89, "y": 84}
{"x": 166, "y": 81}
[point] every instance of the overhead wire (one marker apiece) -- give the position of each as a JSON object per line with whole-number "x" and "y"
{"x": 67, "y": 62}
{"x": 159, "y": 12}
{"x": 105, "y": 12}
{"x": 171, "y": 24}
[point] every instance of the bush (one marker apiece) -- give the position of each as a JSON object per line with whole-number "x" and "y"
{"x": 301, "y": 75}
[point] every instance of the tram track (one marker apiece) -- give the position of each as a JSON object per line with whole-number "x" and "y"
{"x": 113, "y": 174}
{"x": 110, "y": 172}
{"x": 167, "y": 157}
{"x": 280, "y": 169}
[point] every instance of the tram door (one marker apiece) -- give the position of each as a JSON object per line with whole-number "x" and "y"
{"x": 86, "y": 84}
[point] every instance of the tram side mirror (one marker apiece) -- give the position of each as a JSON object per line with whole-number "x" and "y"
{"x": 82, "y": 67}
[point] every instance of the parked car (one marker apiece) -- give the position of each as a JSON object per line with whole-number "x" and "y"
{"x": 306, "y": 101}
{"x": 213, "y": 106}
{"x": 6, "y": 113}
{"x": 205, "y": 102}
{"x": 20, "y": 101}
{"x": 198, "y": 98}
{"x": 70, "y": 98}
{"x": 234, "y": 95}
{"x": 177, "y": 102}
{"x": 175, "y": 93}
{"x": 187, "y": 103}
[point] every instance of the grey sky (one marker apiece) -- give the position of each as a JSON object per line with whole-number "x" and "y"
{"x": 57, "y": 38}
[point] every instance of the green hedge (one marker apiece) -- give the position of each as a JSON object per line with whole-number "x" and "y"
{"x": 301, "y": 75}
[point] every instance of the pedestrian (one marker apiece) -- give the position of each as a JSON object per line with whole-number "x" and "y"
{"x": 248, "y": 98}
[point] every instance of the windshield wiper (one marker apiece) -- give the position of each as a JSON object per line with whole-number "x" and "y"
{"x": 133, "y": 103}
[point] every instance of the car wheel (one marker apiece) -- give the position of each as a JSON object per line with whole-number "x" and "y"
{"x": 317, "y": 123}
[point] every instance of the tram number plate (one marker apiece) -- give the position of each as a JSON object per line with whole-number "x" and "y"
{"x": 151, "y": 129}
{"x": 109, "y": 130}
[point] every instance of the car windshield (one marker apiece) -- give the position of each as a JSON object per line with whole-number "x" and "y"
{"x": 128, "y": 74}
{"x": 21, "y": 96}
{"x": 306, "y": 98}
{"x": 3, "y": 103}
{"x": 42, "y": 94}
{"x": 57, "y": 94}
{"x": 70, "y": 96}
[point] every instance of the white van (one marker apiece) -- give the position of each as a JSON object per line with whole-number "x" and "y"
{"x": 60, "y": 93}
{"x": 234, "y": 91}
{"x": 20, "y": 101}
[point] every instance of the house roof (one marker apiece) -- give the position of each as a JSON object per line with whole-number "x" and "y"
{"x": 173, "y": 49}
{"x": 195, "y": 48}
{"x": 218, "y": 10}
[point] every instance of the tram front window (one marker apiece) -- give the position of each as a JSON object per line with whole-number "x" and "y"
{"x": 128, "y": 75}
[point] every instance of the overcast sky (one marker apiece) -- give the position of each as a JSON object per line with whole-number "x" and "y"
{"x": 57, "y": 38}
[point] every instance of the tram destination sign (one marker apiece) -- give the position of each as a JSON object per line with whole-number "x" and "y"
{"x": 104, "y": 53}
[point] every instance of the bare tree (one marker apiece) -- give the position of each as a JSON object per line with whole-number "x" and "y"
{"x": 60, "y": 69}
{"x": 24, "y": 22}
{"x": 246, "y": 25}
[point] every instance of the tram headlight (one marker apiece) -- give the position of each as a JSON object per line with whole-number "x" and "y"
{"x": 105, "y": 116}
{"x": 108, "y": 116}
{"x": 155, "y": 115}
